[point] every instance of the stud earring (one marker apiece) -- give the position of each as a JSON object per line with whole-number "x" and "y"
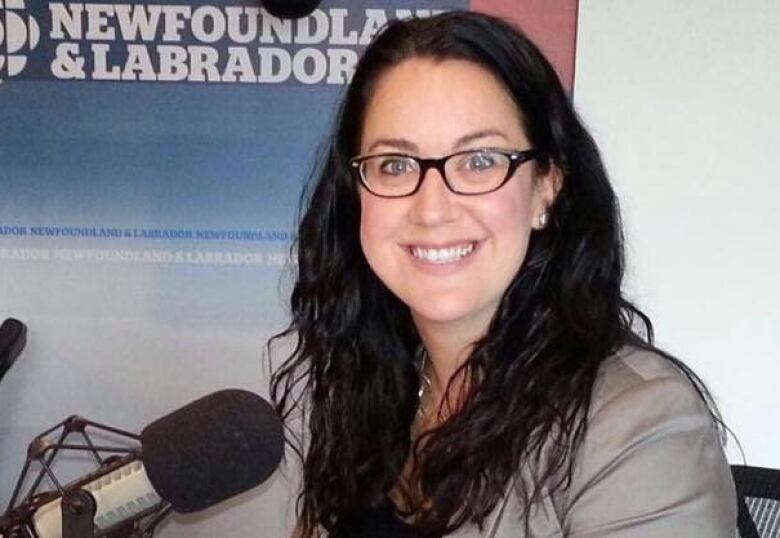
{"x": 542, "y": 221}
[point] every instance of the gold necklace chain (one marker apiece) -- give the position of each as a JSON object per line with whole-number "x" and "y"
{"x": 425, "y": 384}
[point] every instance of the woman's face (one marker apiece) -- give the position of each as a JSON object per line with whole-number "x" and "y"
{"x": 447, "y": 256}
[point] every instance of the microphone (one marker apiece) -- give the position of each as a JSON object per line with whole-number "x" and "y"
{"x": 195, "y": 457}
{"x": 212, "y": 449}
{"x": 13, "y": 337}
{"x": 290, "y": 9}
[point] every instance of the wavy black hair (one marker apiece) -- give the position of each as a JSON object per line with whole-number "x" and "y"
{"x": 530, "y": 376}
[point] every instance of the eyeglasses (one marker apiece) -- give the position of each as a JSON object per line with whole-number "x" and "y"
{"x": 470, "y": 172}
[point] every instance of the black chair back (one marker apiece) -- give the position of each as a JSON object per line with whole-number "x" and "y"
{"x": 758, "y": 501}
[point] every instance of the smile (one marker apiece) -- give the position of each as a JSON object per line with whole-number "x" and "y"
{"x": 442, "y": 255}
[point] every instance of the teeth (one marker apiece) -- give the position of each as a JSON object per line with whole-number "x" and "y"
{"x": 442, "y": 255}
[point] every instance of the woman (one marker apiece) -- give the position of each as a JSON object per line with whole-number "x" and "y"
{"x": 466, "y": 361}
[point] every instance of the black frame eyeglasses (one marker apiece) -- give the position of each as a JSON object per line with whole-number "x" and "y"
{"x": 470, "y": 172}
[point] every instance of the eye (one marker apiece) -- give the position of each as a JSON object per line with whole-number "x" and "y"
{"x": 479, "y": 161}
{"x": 396, "y": 166}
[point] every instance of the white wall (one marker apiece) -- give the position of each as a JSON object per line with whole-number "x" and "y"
{"x": 683, "y": 98}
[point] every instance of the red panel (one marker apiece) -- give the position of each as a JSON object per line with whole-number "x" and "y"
{"x": 551, "y": 24}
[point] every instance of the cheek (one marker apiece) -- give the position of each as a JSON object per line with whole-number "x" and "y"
{"x": 376, "y": 226}
{"x": 510, "y": 219}
{"x": 512, "y": 213}
{"x": 366, "y": 227}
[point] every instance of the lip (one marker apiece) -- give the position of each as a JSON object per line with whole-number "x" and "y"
{"x": 442, "y": 268}
{"x": 449, "y": 244}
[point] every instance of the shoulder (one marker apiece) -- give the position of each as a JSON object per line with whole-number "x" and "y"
{"x": 634, "y": 375}
{"x": 651, "y": 460}
{"x": 650, "y": 464}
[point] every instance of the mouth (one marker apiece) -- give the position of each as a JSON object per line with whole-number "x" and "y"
{"x": 441, "y": 256}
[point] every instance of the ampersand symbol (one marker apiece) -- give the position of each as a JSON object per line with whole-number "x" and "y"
{"x": 68, "y": 64}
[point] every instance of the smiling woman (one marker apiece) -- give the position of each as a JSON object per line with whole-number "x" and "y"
{"x": 447, "y": 256}
{"x": 469, "y": 364}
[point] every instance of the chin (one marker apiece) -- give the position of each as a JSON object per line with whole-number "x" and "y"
{"x": 452, "y": 312}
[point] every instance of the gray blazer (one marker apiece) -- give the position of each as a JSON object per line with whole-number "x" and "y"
{"x": 650, "y": 466}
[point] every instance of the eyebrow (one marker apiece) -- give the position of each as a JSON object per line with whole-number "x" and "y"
{"x": 407, "y": 145}
{"x": 484, "y": 133}
{"x": 397, "y": 143}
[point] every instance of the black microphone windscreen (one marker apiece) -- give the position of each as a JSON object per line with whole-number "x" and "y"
{"x": 212, "y": 449}
{"x": 290, "y": 9}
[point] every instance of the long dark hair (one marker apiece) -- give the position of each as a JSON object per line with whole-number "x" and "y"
{"x": 531, "y": 375}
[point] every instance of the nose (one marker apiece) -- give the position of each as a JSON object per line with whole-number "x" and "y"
{"x": 433, "y": 203}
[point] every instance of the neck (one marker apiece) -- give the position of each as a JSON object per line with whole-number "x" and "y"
{"x": 447, "y": 348}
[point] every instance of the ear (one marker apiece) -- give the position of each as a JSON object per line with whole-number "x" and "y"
{"x": 548, "y": 185}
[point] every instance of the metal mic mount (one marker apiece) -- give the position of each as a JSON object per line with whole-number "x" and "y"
{"x": 77, "y": 505}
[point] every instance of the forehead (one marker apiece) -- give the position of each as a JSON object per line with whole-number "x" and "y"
{"x": 432, "y": 103}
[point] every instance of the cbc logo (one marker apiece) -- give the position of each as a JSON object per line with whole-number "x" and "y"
{"x": 19, "y": 33}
